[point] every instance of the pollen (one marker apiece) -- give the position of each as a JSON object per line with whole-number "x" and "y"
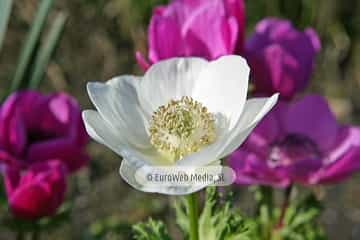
{"x": 182, "y": 127}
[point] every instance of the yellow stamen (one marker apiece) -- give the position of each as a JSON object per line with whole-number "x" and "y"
{"x": 181, "y": 127}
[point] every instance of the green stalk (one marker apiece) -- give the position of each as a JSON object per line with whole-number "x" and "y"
{"x": 284, "y": 207}
{"x": 46, "y": 50}
{"x": 193, "y": 214}
{"x": 5, "y": 10}
{"x": 29, "y": 47}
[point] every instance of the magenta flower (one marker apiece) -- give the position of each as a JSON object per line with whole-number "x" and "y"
{"x": 201, "y": 28}
{"x": 298, "y": 142}
{"x": 281, "y": 58}
{"x": 36, "y": 127}
{"x": 36, "y": 192}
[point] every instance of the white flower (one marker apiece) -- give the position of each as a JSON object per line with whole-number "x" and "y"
{"x": 182, "y": 112}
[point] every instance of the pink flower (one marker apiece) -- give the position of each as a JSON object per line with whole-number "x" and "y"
{"x": 281, "y": 58}
{"x": 202, "y": 28}
{"x": 298, "y": 142}
{"x": 36, "y": 192}
{"x": 36, "y": 127}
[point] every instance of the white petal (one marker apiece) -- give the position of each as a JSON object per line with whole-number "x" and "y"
{"x": 104, "y": 133}
{"x": 117, "y": 102}
{"x": 255, "y": 109}
{"x": 222, "y": 86}
{"x": 169, "y": 79}
{"x": 128, "y": 170}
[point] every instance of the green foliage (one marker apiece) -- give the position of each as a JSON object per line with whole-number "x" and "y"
{"x": 182, "y": 219}
{"x": 62, "y": 216}
{"x": 29, "y": 48}
{"x": 34, "y": 57}
{"x": 301, "y": 12}
{"x": 299, "y": 222}
{"x": 264, "y": 217}
{"x": 151, "y": 230}
{"x": 46, "y": 50}
{"x": 218, "y": 220}
{"x": 144, "y": 8}
{"x": 5, "y": 10}
{"x": 109, "y": 228}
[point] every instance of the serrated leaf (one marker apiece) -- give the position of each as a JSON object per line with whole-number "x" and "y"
{"x": 5, "y": 10}
{"x": 29, "y": 47}
{"x": 151, "y": 230}
{"x": 301, "y": 220}
{"x": 181, "y": 216}
{"x": 219, "y": 220}
{"x": 46, "y": 50}
{"x": 306, "y": 211}
{"x": 206, "y": 231}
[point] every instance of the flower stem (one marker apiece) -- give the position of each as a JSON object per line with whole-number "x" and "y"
{"x": 285, "y": 205}
{"x": 193, "y": 214}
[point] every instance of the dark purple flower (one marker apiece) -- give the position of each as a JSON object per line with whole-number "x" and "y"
{"x": 36, "y": 127}
{"x": 201, "y": 28}
{"x": 37, "y": 191}
{"x": 298, "y": 142}
{"x": 281, "y": 57}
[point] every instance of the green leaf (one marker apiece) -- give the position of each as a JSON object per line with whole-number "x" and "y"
{"x": 5, "y": 10}
{"x": 151, "y": 230}
{"x": 265, "y": 210}
{"x": 205, "y": 221}
{"x": 303, "y": 211}
{"x": 182, "y": 219}
{"x": 47, "y": 50}
{"x": 219, "y": 220}
{"x": 29, "y": 47}
{"x": 301, "y": 220}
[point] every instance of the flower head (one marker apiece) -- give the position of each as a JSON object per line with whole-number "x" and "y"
{"x": 36, "y": 127}
{"x": 298, "y": 142}
{"x": 182, "y": 127}
{"x": 281, "y": 57}
{"x": 183, "y": 112}
{"x": 38, "y": 191}
{"x": 201, "y": 28}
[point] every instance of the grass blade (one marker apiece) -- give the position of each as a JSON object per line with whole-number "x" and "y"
{"x": 31, "y": 41}
{"x": 47, "y": 50}
{"x": 5, "y": 10}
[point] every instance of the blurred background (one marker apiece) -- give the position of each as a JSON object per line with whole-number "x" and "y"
{"x": 98, "y": 43}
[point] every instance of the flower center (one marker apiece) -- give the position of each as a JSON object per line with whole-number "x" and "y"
{"x": 181, "y": 127}
{"x": 35, "y": 136}
{"x": 291, "y": 149}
